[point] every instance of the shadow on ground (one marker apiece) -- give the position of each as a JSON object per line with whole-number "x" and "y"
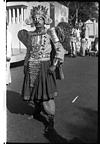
{"x": 87, "y": 129}
{"x": 17, "y": 64}
{"x": 54, "y": 137}
{"x": 15, "y": 104}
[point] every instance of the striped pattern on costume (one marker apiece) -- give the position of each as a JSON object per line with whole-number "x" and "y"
{"x": 34, "y": 68}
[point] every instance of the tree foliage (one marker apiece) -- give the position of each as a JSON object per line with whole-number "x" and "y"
{"x": 86, "y": 10}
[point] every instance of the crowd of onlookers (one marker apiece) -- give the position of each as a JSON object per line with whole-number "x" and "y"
{"x": 80, "y": 45}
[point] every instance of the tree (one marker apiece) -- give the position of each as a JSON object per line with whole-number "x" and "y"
{"x": 88, "y": 10}
{"x": 82, "y": 10}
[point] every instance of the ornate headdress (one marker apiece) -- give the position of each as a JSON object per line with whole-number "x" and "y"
{"x": 39, "y": 10}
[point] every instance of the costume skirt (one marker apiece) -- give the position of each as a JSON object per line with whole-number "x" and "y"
{"x": 44, "y": 87}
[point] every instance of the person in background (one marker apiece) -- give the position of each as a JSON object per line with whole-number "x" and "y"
{"x": 88, "y": 46}
{"x": 44, "y": 54}
{"x": 78, "y": 43}
{"x": 93, "y": 51}
{"x": 96, "y": 46}
{"x": 83, "y": 40}
{"x": 8, "y": 56}
{"x": 80, "y": 24}
{"x": 73, "y": 42}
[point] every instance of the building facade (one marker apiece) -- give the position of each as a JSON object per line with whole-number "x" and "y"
{"x": 91, "y": 29}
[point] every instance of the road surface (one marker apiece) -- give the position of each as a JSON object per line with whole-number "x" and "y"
{"x": 76, "y": 106}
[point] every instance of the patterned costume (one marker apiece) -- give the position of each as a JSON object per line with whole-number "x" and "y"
{"x": 38, "y": 54}
{"x": 43, "y": 52}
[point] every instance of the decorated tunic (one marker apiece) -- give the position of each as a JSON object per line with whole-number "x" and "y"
{"x": 38, "y": 49}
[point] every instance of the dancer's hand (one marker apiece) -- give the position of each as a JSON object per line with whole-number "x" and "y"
{"x": 52, "y": 69}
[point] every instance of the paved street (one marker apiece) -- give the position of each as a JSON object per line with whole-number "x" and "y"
{"x": 74, "y": 121}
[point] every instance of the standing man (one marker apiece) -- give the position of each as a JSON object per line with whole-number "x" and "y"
{"x": 83, "y": 40}
{"x": 44, "y": 54}
{"x": 73, "y": 42}
{"x": 77, "y": 40}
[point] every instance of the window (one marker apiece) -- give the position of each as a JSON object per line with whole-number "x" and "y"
{"x": 15, "y": 15}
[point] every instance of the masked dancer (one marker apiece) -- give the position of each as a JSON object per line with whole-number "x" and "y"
{"x": 44, "y": 54}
